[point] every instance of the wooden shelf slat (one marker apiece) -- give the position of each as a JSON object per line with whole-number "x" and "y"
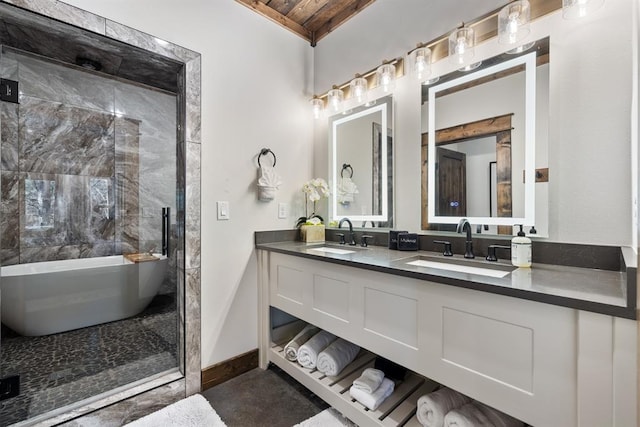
{"x": 395, "y": 411}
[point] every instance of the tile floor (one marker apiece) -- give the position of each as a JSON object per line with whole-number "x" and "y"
{"x": 59, "y": 369}
{"x": 263, "y": 398}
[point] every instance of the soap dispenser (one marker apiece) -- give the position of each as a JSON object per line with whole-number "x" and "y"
{"x": 521, "y": 250}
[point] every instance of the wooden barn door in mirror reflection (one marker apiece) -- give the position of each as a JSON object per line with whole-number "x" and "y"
{"x": 451, "y": 188}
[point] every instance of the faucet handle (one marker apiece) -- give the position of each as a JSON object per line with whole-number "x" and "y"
{"x": 363, "y": 240}
{"x": 447, "y": 247}
{"x": 491, "y": 252}
{"x": 341, "y": 236}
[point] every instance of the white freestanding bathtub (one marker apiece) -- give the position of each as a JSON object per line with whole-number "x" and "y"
{"x": 54, "y": 296}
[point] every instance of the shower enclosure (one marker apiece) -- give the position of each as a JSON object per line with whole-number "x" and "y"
{"x": 92, "y": 157}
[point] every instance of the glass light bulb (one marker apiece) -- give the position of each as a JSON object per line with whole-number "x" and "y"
{"x": 335, "y": 97}
{"x": 461, "y": 42}
{"x": 513, "y": 22}
{"x": 576, "y": 9}
{"x": 460, "y": 46}
{"x": 422, "y": 62}
{"x": 317, "y": 105}
{"x": 358, "y": 89}
{"x": 386, "y": 76}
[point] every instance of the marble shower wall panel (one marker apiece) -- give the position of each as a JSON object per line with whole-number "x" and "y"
{"x": 9, "y": 136}
{"x": 75, "y": 123}
{"x": 192, "y": 218}
{"x": 66, "y": 85}
{"x": 127, "y": 172}
{"x": 84, "y": 221}
{"x": 156, "y": 181}
{"x": 193, "y": 116}
{"x": 9, "y": 218}
{"x": 55, "y": 138}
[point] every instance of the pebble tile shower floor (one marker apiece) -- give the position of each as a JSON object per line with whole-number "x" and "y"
{"x": 59, "y": 369}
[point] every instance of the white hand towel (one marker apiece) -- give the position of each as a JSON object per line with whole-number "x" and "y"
{"x": 373, "y": 400}
{"x": 333, "y": 359}
{"x": 308, "y": 352}
{"x": 370, "y": 380}
{"x": 434, "y": 406}
{"x": 468, "y": 415}
{"x": 475, "y": 414}
{"x": 291, "y": 349}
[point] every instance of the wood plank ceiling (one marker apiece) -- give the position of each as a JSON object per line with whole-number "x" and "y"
{"x": 310, "y": 19}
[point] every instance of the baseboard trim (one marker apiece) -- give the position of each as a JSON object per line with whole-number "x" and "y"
{"x": 230, "y": 368}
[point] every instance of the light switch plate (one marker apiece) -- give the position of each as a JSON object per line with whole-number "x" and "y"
{"x": 223, "y": 210}
{"x": 283, "y": 210}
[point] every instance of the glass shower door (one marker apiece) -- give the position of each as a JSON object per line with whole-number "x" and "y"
{"x": 88, "y": 299}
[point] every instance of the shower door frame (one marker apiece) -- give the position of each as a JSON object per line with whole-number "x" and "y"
{"x": 147, "y": 395}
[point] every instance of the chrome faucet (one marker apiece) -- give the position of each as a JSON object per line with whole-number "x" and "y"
{"x": 465, "y": 226}
{"x": 352, "y": 235}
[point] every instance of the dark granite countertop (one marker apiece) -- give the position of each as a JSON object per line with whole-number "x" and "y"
{"x": 597, "y": 290}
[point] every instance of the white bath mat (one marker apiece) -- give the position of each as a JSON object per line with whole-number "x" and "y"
{"x": 327, "y": 418}
{"x": 194, "y": 411}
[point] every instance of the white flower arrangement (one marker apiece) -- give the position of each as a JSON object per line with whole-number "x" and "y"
{"x": 313, "y": 190}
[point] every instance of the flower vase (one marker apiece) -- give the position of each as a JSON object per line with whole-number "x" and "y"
{"x": 312, "y": 233}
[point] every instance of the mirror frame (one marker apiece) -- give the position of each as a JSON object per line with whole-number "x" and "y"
{"x": 384, "y": 215}
{"x": 529, "y": 63}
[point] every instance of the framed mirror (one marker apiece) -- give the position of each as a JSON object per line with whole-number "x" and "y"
{"x": 361, "y": 164}
{"x": 480, "y": 162}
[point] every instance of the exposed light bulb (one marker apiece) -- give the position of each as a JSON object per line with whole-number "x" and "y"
{"x": 317, "y": 106}
{"x": 358, "y": 89}
{"x": 335, "y": 97}
{"x": 461, "y": 43}
{"x": 386, "y": 76}
{"x": 422, "y": 62}
{"x": 513, "y": 22}
{"x": 576, "y": 9}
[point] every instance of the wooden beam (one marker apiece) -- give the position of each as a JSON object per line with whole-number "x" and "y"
{"x": 476, "y": 129}
{"x": 277, "y": 17}
{"x": 282, "y": 6}
{"x": 305, "y": 10}
{"x": 349, "y": 11}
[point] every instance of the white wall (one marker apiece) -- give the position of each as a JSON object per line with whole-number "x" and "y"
{"x": 256, "y": 82}
{"x": 590, "y": 170}
{"x": 388, "y": 29}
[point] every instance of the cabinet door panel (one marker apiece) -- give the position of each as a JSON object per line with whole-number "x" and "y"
{"x": 331, "y": 297}
{"x": 502, "y": 351}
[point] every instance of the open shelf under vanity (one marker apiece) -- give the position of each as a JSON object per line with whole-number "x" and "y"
{"x": 399, "y": 409}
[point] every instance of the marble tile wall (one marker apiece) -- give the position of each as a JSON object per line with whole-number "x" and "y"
{"x": 106, "y": 148}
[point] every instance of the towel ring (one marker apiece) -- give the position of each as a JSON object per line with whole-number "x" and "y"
{"x": 346, "y": 166}
{"x": 264, "y": 152}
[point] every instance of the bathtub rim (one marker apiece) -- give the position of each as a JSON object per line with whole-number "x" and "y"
{"x": 44, "y": 267}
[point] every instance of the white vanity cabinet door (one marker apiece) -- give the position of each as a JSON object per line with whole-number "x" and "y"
{"x": 376, "y": 311}
{"x": 512, "y": 354}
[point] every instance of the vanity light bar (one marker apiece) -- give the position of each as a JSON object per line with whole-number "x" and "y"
{"x": 485, "y": 27}
{"x": 369, "y": 76}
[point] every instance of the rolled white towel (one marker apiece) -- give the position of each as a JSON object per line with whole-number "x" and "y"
{"x": 369, "y": 380}
{"x": 468, "y": 415}
{"x": 291, "y": 349}
{"x": 373, "y": 400}
{"x": 308, "y": 352}
{"x": 333, "y": 359}
{"x": 433, "y": 407}
{"x": 475, "y": 414}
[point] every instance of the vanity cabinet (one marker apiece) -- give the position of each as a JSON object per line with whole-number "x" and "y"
{"x": 543, "y": 364}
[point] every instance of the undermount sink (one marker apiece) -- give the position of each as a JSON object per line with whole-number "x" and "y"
{"x": 334, "y": 249}
{"x": 459, "y": 265}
